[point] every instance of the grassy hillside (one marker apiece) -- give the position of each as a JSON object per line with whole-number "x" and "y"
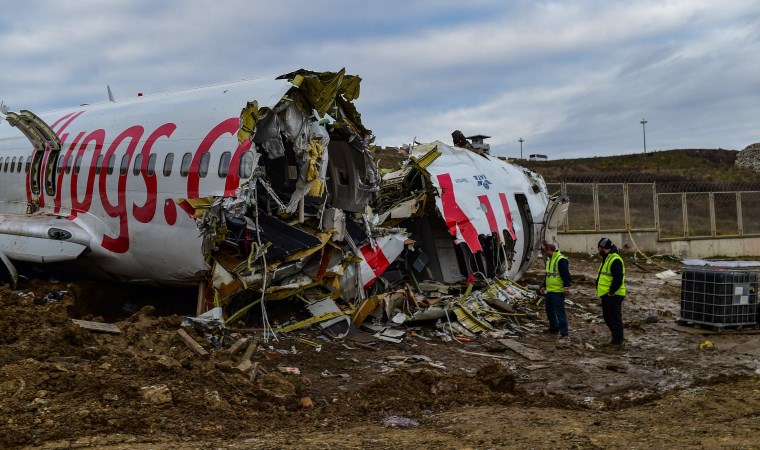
{"x": 708, "y": 166}
{"x": 670, "y": 165}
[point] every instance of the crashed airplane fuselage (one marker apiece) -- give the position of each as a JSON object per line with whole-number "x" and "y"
{"x": 265, "y": 185}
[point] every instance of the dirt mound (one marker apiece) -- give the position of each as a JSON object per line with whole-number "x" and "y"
{"x": 64, "y": 386}
{"x": 59, "y": 381}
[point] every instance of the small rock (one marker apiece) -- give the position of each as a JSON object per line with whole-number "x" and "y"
{"x": 157, "y": 395}
{"x": 400, "y": 422}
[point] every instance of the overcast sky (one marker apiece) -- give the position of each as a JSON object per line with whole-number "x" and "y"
{"x": 572, "y": 78}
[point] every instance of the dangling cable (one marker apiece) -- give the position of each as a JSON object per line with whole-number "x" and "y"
{"x": 264, "y": 318}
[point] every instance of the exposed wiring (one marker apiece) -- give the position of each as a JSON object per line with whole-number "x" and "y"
{"x": 264, "y": 317}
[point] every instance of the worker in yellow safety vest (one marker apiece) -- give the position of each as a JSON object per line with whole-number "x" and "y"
{"x": 556, "y": 288}
{"x": 610, "y": 287}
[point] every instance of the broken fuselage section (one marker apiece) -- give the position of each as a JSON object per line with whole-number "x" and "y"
{"x": 281, "y": 198}
{"x": 468, "y": 213}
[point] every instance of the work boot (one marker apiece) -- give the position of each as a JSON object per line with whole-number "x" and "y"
{"x": 613, "y": 346}
{"x": 550, "y": 331}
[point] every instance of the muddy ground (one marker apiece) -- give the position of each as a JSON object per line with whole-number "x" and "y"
{"x": 62, "y": 386}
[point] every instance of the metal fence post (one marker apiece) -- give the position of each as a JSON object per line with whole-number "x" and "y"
{"x": 626, "y": 207}
{"x": 595, "y": 196}
{"x": 739, "y": 221}
{"x": 656, "y": 208}
{"x": 685, "y": 228}
{"x": 712, "y": 214}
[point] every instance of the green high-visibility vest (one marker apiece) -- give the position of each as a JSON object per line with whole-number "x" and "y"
{"x": 553, "y": 279}
{"x": 605, "y": 276}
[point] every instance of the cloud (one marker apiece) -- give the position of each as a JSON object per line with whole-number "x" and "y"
{"x": 571, "y": 78}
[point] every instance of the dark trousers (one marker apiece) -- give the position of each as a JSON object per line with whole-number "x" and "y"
{"x": 555, "y": 311}
{"x": 612, "y": 310}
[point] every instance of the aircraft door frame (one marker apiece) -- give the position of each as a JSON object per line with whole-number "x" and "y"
{"x": 47, "y": 147}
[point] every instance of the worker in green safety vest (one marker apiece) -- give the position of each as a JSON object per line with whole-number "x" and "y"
{"x": 556, "y": 287}
{"x": 610, "y": 287}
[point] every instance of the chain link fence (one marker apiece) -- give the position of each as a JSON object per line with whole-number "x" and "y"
{"x": 651, "y": 207}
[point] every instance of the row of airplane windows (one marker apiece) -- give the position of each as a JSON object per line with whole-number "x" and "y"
{"x": 66, "y": 163}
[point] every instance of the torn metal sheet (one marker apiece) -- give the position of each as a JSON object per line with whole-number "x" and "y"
{"x": 377, "y": 258}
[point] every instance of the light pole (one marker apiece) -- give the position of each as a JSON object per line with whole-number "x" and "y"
{"x": 644, "y": 128}
{"x": 521, "y": 140}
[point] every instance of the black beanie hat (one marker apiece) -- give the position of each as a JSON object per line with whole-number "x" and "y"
{"x": 604, "y": 243}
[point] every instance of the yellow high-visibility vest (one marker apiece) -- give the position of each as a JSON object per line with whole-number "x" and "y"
{"x": 605, "y": 276}
{"x": 553, "y": 279}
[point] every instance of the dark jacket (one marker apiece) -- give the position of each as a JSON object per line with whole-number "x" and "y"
{"x": 564, "y": 271}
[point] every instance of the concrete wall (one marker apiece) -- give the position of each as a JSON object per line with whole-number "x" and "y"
{"x": 647, "y": 242}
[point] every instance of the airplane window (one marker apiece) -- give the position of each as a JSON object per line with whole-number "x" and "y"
{"x": 184, "y": 169}
{"x": 59, "y": 167}
{"x": 13, "y": 163}
{"x": 138, "y": 163}
{"x": 28, "y": 164}
{"x": 78, "y": 164}
{"x": 111, "y": 163}
{"x": 98, "y": 164}
{"x": 246, "y": 165}
{"x": 151, "y": 164}
{"x": 203, "y": 167}
{"x": 68, "y": 163}
{"x": 7, "y": 161}
{"x": 168, "y": 164}
{"x": 20, "y": 163}
{"x": 124, "y": 167}
{"x": 224, "y": 164}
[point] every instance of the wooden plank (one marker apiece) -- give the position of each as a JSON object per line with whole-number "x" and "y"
{"x": 522, "y": 350}
{"x": 237, "y": 346}
{"x": 249, "y": 351}
{"x": 98, "y": 326}
{"x": 487, "y": 355}
{"x": 191, "y": 343}
{"x": 254, "y": 372}
{"x": 245, "y": 365}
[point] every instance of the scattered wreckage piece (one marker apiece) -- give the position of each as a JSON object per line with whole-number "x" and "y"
{"x": 191, "y": 343}
{"x": 97, "y": 326}
{"x": 522, "y": 350}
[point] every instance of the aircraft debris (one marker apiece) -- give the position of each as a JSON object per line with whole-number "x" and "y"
{"x": 523, "y": 350}
{"x": 296, "y": 211}
{"x": 97, "y": 326}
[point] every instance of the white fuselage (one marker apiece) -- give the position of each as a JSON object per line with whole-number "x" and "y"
{"x": 120, "y": 171}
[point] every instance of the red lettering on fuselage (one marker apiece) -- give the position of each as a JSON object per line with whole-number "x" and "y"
{"x": 88, "y": 147}
{"x": 120, "y": 243}
{"x": 66, "y": 161}
{"x": 99, "y": 138}
{"x": 233, "y": 177}
{"x": 147, "y": 211}
{"x": 229, "y": 126}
